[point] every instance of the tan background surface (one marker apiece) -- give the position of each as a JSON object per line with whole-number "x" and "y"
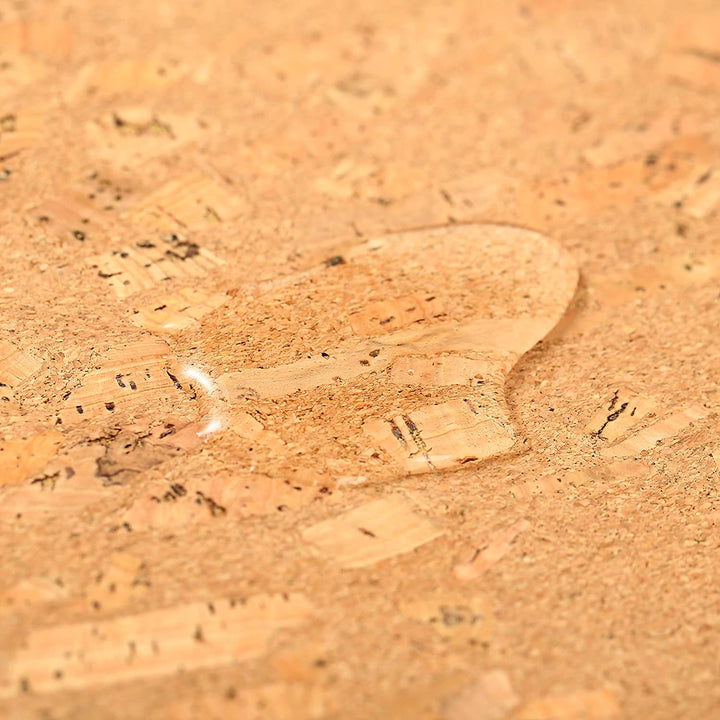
{"x": 272, "y": 134}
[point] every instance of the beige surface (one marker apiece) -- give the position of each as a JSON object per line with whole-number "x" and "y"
{"x": 297, "y": 264}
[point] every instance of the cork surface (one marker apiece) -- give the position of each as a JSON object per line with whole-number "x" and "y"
{"x": 359, "y": 360}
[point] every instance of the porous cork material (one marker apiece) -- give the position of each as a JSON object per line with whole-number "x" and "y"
{"x": 359, "y": 360}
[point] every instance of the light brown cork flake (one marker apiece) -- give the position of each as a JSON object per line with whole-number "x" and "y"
{"x": 64, "y": 485}
{"x": 16, "y": 366}
{"x": 49, "y": 37}
{"x": 628, "y": 424}
{"x": 435, "y": 437}
{"x": 147, "y": 263}
{"x": 177, "y": 311}
{"x": 649, "y": 437}
{"x": 190, "y": 202}
{"x": 624, "y": 410}
{"x": 217, "y": 499}
{"x": 490, "y": 697}
{"x": 21, "y": 457}
{"x": 129, "y": 378}
{"x": 38, "y": 590}
{"x": 112, "y": 77}
{"x": 371, "y": 533}
{"x": 580, "y": 705}
{"x": 152, "y": 644}
{"x": 20, "y": 129}
{"x": 388, "y": 315}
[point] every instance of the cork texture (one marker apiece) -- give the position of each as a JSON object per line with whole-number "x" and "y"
{"x": 359, "y": 360}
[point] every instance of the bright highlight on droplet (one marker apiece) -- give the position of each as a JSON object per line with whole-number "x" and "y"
{"x": 213, "y": 426}
{"x": 216, "y": 419}
{"x": 202, "y": 378}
